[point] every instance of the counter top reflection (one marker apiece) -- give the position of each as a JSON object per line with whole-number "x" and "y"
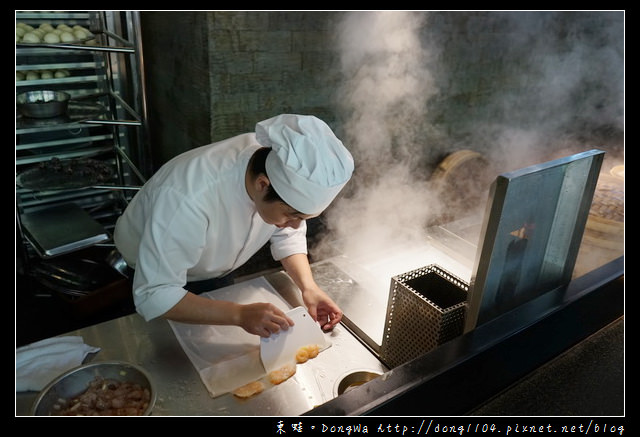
{"x": 181, "y": 392}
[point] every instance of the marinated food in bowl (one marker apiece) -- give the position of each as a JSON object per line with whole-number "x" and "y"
{"x": 106, "y": 397}
{"x": 113, "y": 388}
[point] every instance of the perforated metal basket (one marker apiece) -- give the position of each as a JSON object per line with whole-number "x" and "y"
{"x": 426, "y": 308}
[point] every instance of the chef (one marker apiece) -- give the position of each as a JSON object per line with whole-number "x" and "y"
{"x": 208, "y": 210}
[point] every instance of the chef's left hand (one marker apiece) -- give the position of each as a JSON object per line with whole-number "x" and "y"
{"x": 322, "y": 308}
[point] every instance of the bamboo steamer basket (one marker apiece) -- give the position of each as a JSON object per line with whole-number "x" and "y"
{"x": 603, "y": 239}
{"x": 461, "y": 181}
{"x": 605, "y": 226}
{"x": 452, "y": 166}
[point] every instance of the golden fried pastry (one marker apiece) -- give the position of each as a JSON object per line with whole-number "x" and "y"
{"x": 314, "y": 350}
{"x": 302, "y": 355}
{"x": 307, "y": 352}
{"x": 248, "y": 390}
{"x": 282, "y": 374}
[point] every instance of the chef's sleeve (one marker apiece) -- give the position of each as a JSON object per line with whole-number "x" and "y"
{"x": 289, "y": 241}
{"x": 172, "y": 242}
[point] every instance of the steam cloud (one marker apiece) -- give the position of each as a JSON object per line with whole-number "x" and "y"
{"x": 385, "y": 90}
{"x": 554, "y": 85}
{"x": 563, "y": 89}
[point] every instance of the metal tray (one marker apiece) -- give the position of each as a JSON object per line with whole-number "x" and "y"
{"x": 62, "y": 229}
{"x": 57, "y": 174}
{"x": 57, "y": 44}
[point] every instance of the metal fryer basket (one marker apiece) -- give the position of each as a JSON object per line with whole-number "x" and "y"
{"x": 426, "y": 308}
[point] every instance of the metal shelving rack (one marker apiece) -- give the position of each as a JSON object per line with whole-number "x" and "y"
{"x": 106, "y": 120}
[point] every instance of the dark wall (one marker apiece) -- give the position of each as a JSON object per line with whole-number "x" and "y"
{"x": 213, "y": 75}
{"x": 176, "y": 63}
{"x": 498, "y": 82}
{"x": 512, "y": 81}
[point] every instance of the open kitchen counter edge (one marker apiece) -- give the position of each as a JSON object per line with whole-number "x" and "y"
{"x": 462, "y": 374}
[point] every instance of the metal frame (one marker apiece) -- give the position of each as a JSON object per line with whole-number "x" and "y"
{"x": 121, "y": 86}
{"x": 532, "y": 230}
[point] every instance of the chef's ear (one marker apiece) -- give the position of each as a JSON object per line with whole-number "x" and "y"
{"x": 262, "y": 183}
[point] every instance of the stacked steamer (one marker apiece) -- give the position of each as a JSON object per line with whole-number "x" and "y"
{"x": 603, "y": 239}
{"x": 48, "y": 33}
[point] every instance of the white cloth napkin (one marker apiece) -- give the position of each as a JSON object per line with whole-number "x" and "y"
{"x": 37, "y": 364}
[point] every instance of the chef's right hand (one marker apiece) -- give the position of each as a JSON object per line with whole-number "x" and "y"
{"x": 263, "y": 319}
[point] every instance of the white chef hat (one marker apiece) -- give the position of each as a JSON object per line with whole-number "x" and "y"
{"x": 308, "y": 165}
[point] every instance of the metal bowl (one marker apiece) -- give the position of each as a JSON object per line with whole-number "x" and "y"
{"x": 42, "y": 103}
{"x": 353, "y": 380}
{"x": 76, "y": 381}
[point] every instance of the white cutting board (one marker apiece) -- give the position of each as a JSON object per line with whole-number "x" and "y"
{"x": 280, "y": 349}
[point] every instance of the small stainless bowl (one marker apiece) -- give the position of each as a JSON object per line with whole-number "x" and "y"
{"x": 76, "y": 381}
{"x": 42, "y": 103}
{"x": 353, "y": 380}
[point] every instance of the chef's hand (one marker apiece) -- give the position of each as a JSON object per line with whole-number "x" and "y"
{"x": 320, "y": 306}
{"x": 263, "y": 319}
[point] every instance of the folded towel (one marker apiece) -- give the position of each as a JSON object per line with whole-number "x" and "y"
{"x": 39, "y": 363}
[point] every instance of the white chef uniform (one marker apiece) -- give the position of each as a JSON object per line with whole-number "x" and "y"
{"x": 193, "y": 220}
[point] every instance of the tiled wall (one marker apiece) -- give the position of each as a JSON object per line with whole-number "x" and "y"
{"x": 212, "y": 75}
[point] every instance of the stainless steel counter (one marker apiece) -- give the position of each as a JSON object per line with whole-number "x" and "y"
{"x": 181, "y": 392}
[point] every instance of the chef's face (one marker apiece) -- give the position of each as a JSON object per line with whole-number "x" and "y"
{"x": 273, "y": 210}
{"x": 280, "y": 214}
